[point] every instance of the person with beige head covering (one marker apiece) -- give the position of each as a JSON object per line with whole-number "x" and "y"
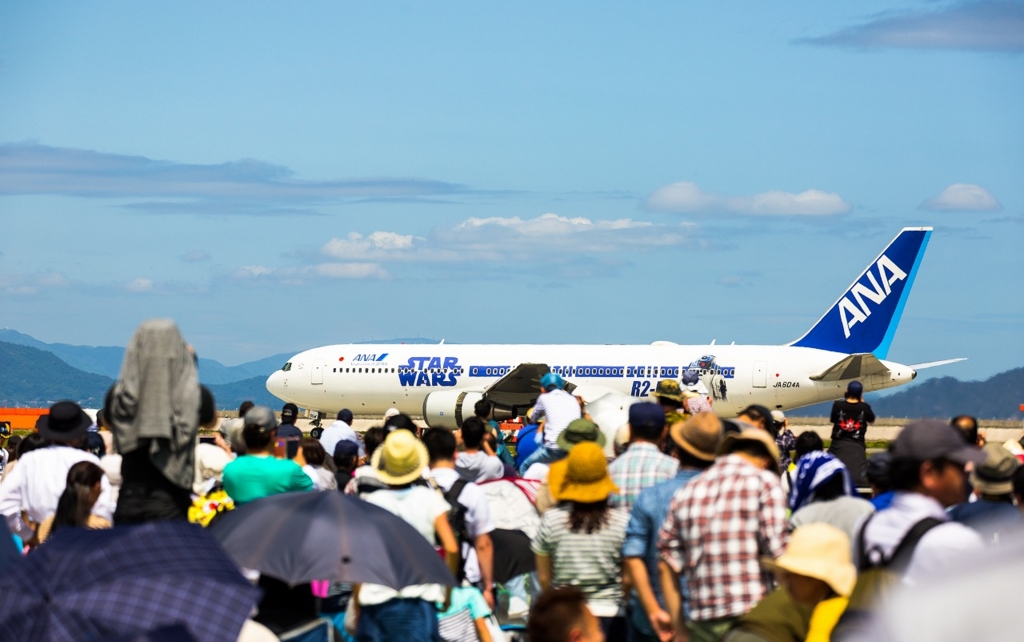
{"x": 409, "y": 614}
{"x": 579, "y": 542}
{"x": 817, "y": 576}
{"x": 153, "y": 411}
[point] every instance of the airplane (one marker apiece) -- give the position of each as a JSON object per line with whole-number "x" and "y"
{"x": 441, "y": 383}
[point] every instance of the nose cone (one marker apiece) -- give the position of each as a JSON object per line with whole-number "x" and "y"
{"x": 276, "y": 383}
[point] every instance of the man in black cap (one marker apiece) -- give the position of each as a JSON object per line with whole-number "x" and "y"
{"x": 35, "y": 485}
{"x": 927, "y": 473}
{"x": 287, "y": 429}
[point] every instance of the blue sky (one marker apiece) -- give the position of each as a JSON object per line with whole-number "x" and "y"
{"x": 277, "y": 176}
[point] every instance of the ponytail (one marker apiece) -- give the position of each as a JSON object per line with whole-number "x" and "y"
{"x": 76, "y": 501}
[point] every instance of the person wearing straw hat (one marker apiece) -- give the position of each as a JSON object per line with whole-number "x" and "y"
{"x": 695, "y": 443}
{"x": 717, "y": 528}
{"x": 577, "y": 432}
{"x": 579, "y": 542}
{"x": 817, "y": 576}
{"x": 383, "y": 613}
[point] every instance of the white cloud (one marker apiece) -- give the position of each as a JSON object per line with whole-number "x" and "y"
{"x": 686, "y": 196}
{"x": 567, "y": 235}
{"x": 252, "y": 271}
{"x": 351, "y": 271}
{"x": 139, "y": 284}
{"x": 375, "y": 246}
{"x": 963, "y": 197}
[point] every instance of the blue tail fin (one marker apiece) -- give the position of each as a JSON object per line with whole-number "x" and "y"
{"x": 864, "y": 319}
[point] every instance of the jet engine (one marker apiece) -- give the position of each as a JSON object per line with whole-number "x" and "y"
{"x": 449, "y": 408}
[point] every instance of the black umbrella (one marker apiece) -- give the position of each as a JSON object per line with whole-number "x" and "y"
{"x": 300, "y": 537}
{"x": 106, "y": 584}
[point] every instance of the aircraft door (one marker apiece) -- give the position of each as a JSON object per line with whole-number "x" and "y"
{"x": 760, "y": 374}
{"x": 316, "y": 374}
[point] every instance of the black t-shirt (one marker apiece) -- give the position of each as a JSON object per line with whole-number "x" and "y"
{"x": 850, "y": 420}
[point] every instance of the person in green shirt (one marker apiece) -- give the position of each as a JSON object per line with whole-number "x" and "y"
{"x": 259, "y": 473}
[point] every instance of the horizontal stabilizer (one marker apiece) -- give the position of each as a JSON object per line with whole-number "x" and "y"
{"x": 936, "y": 364}
{"x": 854, "y": 366}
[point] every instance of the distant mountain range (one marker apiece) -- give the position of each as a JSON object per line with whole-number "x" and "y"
{"x": 35, "y": 374}
{"x": 33, "y": 378}
{"x": 106, "y": 360}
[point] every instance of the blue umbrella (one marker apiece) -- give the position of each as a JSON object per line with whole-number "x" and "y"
{"x": 300, "y": 537}
{"x": 84, "y": 585}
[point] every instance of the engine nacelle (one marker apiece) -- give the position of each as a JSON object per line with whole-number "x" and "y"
{"x": 449, "y": 408}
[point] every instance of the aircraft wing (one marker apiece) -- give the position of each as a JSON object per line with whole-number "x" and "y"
{"x": 854, "y": 366}
{"x": 519, "y": 388}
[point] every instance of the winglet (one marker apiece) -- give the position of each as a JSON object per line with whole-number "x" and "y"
{"x": 865, "y": 317}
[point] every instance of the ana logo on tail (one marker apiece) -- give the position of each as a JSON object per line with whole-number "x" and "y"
{"x": 850, "y": 313}
{"x": 865, "y": 317}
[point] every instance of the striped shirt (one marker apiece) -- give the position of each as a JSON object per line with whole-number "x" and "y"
{"x": 717, "y": 528}
{"x": 558, "y": 409}
{"x": 591, "y": 563}
{"x": 640, "y": 467}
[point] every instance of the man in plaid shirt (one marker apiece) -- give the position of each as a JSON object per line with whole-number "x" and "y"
{"x": 717, "y": 528}
{"x": 643, "y": 465}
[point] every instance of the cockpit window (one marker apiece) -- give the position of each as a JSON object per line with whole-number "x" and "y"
{"x": 287, "y": 366}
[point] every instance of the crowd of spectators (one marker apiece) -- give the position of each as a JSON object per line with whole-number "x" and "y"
{"x": 700, "y": 528}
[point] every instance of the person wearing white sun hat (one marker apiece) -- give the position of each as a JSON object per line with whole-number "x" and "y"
{"x": 383, "y": 613}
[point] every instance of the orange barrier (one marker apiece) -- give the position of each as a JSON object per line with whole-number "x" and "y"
{"x": 22, "y": 418}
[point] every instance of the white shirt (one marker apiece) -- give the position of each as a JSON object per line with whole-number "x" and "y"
{"x": 337, "y": 431}
{"x": 478, "y": 516}
{"x": 420, "y": 507}
{"x": 322, "y": 478}
{"x": 537, "y": 471}
{"x": 37, "y": 482}
{"x": 941, "y": 545}
{"x": 559, "y": 409}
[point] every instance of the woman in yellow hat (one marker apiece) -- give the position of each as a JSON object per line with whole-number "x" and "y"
{"x": 579, "y": 542}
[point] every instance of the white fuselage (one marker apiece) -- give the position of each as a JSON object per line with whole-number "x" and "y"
{"x": 368, "y": 379}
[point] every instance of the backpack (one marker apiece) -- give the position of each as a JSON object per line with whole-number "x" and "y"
{"x": 878, "y": 577}
{"x": 457, "y": 520}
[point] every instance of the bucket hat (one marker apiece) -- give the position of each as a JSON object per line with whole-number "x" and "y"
{"x": 582, "y": 476}
{"x": 994, "y": 476}
{"x": 401, "y": 459}
{"x": 66, "y": 421}
{"x": 700, "y": 435}
{"x": 733, "y": 441}
{"x": 821, "y": 551}
{"x": 669, "y": 389}
{"x": 578, "y": 431}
